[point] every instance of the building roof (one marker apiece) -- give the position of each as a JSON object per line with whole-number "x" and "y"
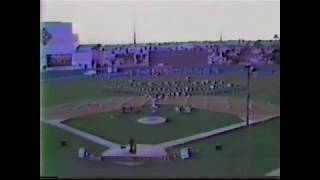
{"x": 55, "y": 22}
{"x": 85, "y": 47}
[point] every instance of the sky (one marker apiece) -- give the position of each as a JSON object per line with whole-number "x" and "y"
{"x": 110, "y": 22}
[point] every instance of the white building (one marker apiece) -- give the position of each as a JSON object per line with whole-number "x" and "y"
{"x": 57, "y": 45}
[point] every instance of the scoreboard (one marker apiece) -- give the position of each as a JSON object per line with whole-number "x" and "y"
{"x": 54, "y": 60}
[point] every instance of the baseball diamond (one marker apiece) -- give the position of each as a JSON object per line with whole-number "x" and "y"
{"x": 201, "y": 109}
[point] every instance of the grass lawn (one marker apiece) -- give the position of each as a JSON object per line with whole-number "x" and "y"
{"x": 123, "y": 127}
{"x": 265, "y": 89}
{"x": 247, "y": 152}
{"x": 61, "y": 92}
{"x": 57, "y": 160}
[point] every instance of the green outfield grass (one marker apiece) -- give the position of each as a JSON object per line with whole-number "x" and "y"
{"x": 122, "y": 127}
{"x": 265, "y": 89}
{"x": 73, "y": 91}
{"x": 247, "y": 152}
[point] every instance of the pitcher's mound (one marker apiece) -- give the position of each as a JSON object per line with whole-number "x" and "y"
{"x": 152, "y": 120}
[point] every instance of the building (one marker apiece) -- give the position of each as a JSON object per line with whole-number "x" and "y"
{"x": 60, "y": 50}
{"x": 57, "y": 45}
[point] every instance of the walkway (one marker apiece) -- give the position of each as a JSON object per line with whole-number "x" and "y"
{"x": 90, "y": 137}
{"x": 210, "y": 133}
{"x": 65, "y": 75}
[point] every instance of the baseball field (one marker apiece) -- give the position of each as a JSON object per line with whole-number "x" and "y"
{"x": 120, "y": 127}
{"x": 251, "y": 151}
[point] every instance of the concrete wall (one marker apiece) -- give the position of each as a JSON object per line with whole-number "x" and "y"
{"x": 82, "y": 58}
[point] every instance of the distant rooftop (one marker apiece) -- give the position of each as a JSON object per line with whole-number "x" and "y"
{"x": 56, "y": 22}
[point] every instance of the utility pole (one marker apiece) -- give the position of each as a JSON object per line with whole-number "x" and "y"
{"x": 134, "y": 32}
{"x": 248, "y": 96}
{"x": 250, "y": 69}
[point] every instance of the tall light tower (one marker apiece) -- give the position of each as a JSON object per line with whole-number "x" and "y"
{"x": 250, "y": 69}
{"x": 134, "y": 32}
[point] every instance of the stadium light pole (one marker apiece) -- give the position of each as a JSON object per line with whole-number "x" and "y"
{"x": 249, "y": 69}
